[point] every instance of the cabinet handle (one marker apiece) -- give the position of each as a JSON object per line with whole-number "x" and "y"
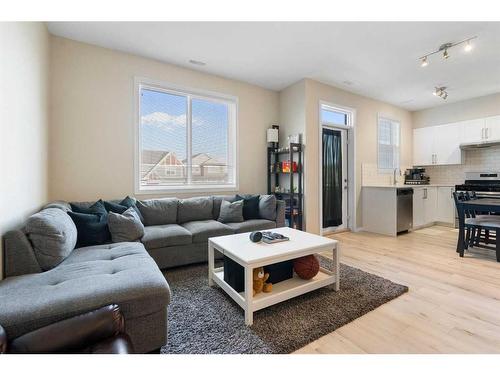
{"x": 425, "y": 193}
{"x": 486, "y": 133}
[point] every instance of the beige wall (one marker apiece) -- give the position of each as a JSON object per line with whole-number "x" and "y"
{"x": 483, "y": 106}
{"x": 367, "y": 111}
{"x": 292, "y": 105}
{"x": 92, "y": 120}
{"x": 24, "y": 65}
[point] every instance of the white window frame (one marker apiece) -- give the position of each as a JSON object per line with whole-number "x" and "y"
{"x": 140, "y": 83}
{"x": 348, "y": 112}
{"x": 398, "y": 154}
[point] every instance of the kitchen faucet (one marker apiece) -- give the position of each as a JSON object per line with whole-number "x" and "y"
{"x": 394, "y": 180}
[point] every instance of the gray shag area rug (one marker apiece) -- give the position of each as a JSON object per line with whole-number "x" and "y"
{"x": 205, "y": 320}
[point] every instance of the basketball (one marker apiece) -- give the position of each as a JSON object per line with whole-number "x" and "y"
{"x": 306, "y": 267}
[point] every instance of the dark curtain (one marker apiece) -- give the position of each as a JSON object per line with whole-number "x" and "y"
{"x": 332, "y": 178}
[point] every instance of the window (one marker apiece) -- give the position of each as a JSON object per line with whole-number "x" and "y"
{"x": 332, "y": 116}
{"x": 388, "y": 144}
{"x": 186, "y": 140}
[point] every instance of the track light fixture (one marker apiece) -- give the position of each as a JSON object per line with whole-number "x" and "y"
{"x": 424, "y": 62}
{"x": 441, "y": 92}
{"x": 468, "y": 46}
{"x": 445, "y": 47}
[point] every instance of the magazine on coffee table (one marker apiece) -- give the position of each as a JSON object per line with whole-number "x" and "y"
{"x": 272, "y": 237}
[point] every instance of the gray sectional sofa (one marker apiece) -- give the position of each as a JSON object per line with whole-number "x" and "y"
{"x": 128, "y": 273}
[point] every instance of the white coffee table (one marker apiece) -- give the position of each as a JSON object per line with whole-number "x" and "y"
{"x": 251, "y": 255}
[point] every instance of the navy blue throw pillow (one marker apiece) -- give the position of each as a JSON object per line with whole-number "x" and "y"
{"x": 115, "y": 207}
{"x": 250, "y": 206}
{"x": 97, "y": 208}
{"x": 92, "y": 228}
{"x": 130, "y": 202}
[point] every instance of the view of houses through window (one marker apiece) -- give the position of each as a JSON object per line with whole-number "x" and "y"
{"x": 185, "y": 140}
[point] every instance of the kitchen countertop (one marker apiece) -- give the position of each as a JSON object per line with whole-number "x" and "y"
{"x": 406, "y": 186}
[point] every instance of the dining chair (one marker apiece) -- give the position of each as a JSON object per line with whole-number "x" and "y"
{"x": 474, "y": 225}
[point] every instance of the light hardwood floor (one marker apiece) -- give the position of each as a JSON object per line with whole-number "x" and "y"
{"x": 453, "y": 304}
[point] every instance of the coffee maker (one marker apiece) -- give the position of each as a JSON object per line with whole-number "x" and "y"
{"x": 416, "y": 176}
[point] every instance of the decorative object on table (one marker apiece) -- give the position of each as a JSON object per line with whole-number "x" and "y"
{"x": 273, "y": 136}
{"x": 259, "y": 281}
{"x": 306, "y": 267}
{"x": 272, "y": 237}
{"x": 256, "y": 236}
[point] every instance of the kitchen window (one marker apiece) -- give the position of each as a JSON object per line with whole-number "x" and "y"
{"x": 186, "y": 140}
{"x": 388, "y": 144}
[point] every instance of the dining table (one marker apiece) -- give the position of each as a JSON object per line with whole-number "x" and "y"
{"x": 480, "y": 206}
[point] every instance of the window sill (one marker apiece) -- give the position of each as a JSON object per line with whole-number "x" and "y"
{"x": 187, "y": 189}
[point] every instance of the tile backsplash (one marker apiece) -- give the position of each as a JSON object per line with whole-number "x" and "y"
{"x": 475, "y": 160}
{"x": 370, "y": 175}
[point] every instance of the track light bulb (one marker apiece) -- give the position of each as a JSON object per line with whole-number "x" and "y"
{"x": 445, "y": 53}
{"x": 468, "y": 46}
{"x": 424, "y": 62}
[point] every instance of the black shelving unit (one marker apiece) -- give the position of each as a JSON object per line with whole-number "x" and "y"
{"x": 275, "y": 174}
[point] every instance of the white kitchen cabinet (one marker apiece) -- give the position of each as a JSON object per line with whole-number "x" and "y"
{"x": 446, "y": 144}
{"x": 492, "y": 128}
{"x": 424, "y": 206}
{"x": 445, "y": 212}
{"x": 433, "y": 204}
{"x": 430, "y": 205}
{"x": 422, "y": 146}
{"x": 437, "y": 145}
{"x": 418, "y": 207}
{"x": 473, "y": 131}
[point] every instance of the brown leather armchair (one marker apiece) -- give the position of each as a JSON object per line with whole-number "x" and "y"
{"x": 99, "y": 331}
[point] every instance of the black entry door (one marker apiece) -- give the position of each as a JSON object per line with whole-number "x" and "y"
{"x": 332, "y": 178}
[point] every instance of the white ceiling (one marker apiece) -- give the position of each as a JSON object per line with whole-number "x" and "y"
{"x": 380, "y": 59}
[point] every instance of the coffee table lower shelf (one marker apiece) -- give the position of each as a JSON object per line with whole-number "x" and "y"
{"x": 282, "y": 291}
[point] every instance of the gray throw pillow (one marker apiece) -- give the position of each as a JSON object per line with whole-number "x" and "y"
{"x": 231, "y": 212}
{"x": 126, "y": 227}
{"x": 217, "y": 202}
{"x": 195, "y": 209}
{"x": 267, "y": 207}
{"x": 53, "y": 236}
{"x": 158, "y": 211}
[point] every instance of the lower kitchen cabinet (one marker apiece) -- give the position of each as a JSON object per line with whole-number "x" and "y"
{"x": 445, "y": 212}
{"x": 433, "y": 204}
{"x": 424, "y": 206}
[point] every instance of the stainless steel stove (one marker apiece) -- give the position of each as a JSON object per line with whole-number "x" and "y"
{"x": 485, "y": 184}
